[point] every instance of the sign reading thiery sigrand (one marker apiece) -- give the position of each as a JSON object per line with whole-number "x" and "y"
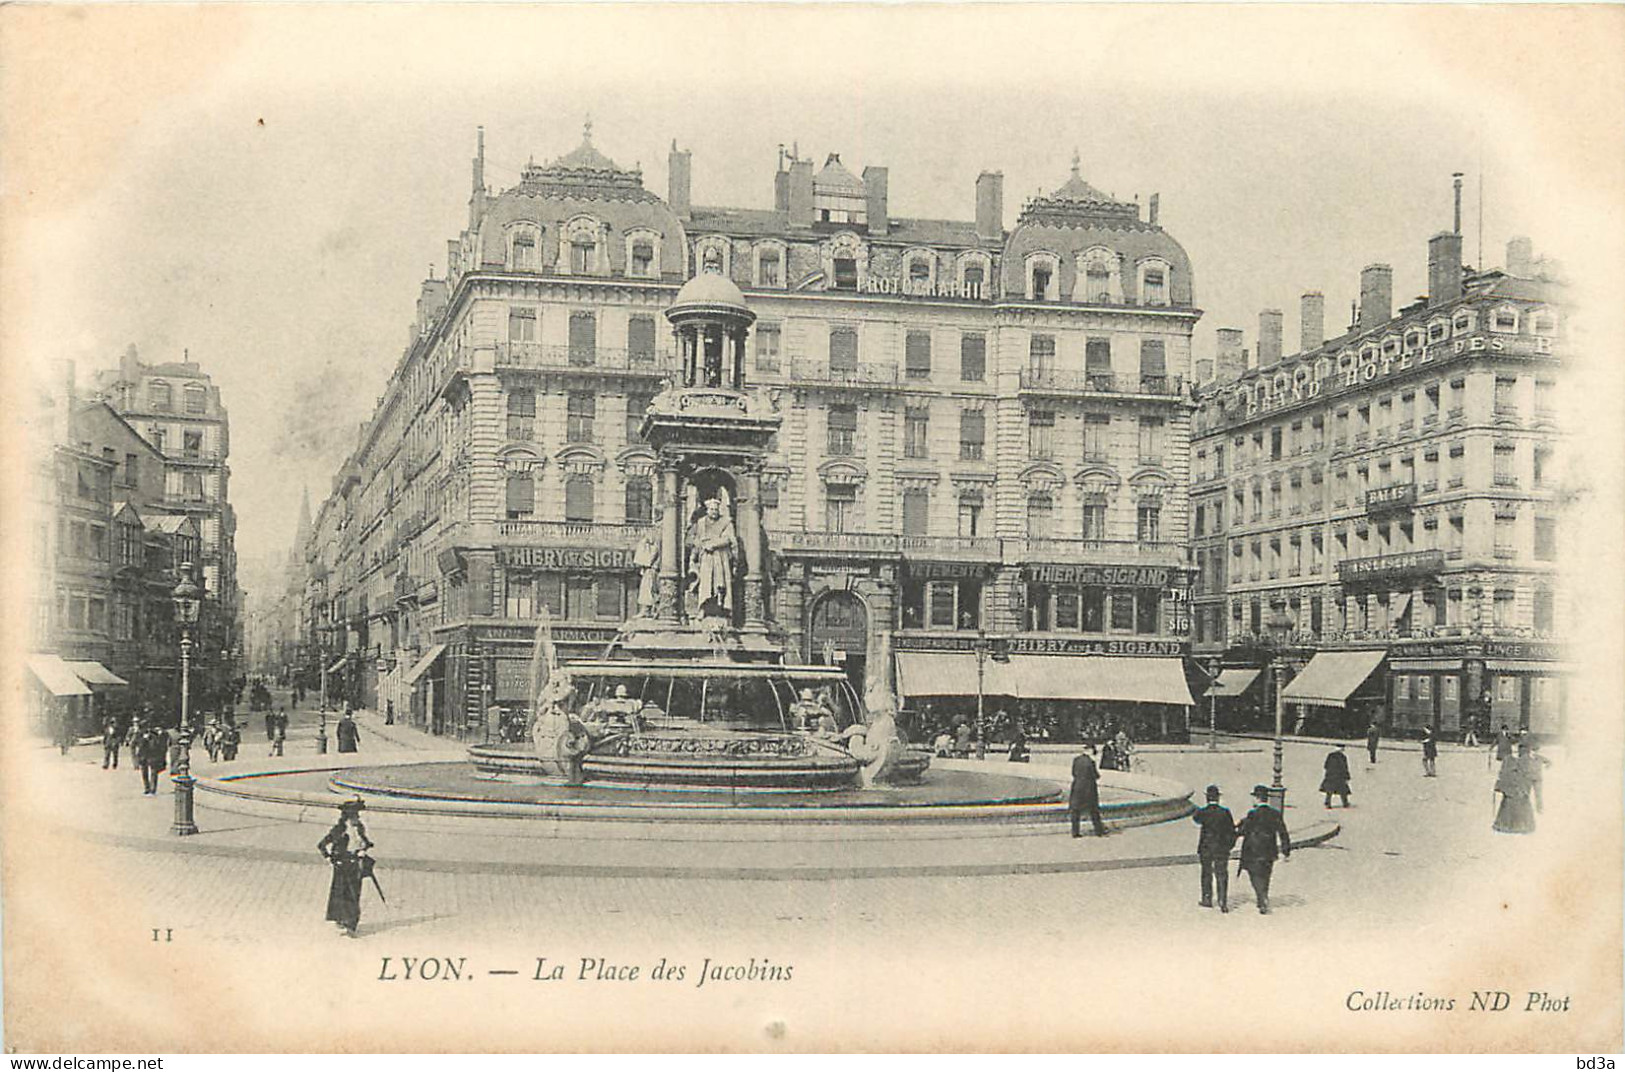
{"x": 564, "y": 558}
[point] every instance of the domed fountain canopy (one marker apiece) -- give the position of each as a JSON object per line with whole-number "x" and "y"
{"x": 710, "y": 296}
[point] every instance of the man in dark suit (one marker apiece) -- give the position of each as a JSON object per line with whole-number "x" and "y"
{"x": 1213, "y": 847}
{"x": 1085, "y": 795}
{"x": 1372, "y": 736}
{"x": 1261, "y": 829}
{"x": 151, "y": 749}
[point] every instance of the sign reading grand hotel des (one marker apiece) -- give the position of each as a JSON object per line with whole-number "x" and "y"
{"x": 564, "y": 558}
{"x": 1268, "y": 393}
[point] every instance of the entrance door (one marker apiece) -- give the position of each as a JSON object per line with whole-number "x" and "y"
{"x": 840, "y": 624}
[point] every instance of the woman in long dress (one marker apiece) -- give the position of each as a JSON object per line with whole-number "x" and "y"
{"x": 343, "y": 848}
{"x": 1520, "y": 778}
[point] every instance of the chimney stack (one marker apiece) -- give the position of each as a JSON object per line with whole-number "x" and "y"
{"x": 1444, "y": 268}
{"x": 990, "y": 204}
{"x": 1270, "y": 323}
{"x": 1204, "y": 369}
{"x": 1156, "y": 203}
{"x": 1231, "y": 361}
{"x": 1456, "y": 180}
{"x": 1376, "y": 295}
{"x": 1311, "y": 320}
{"x": 1520, "y": 257}
{"x": 476, "y": 198}
{"x": 800, "y": 203}
{"x": 679, "y": 180}
{"x": 874, "y": 192}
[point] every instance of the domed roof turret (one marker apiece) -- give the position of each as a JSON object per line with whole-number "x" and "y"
{"x": 709, "y": 289}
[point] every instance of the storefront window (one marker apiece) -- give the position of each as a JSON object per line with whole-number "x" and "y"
{"x": 1146, "y": 604}
{"x": 942, "y": 606}
{"x": 1122, "y": 610}
{"x": 578, "y": 598}
{"x": 521, "y": 598}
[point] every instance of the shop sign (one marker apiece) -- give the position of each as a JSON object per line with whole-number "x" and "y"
{"x": 1409, "y": 563}
{"x": 562, "y": 634}
{"x": 1369, "y": 366}
{"x": 1121, "y": 576}
{"x": 564, "y": 558}
{"x": 512, "y": 679}
{"x": 716, "y": 399}
{"x": 1511, "y": 649}
{"x": 924, "y": 289}
{"x": 946, "y": 571}
{"x": 1031, "y": 645}
{"x": 1393, "y": 497}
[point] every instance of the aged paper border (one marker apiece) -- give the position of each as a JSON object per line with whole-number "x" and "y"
{"x": 74, "y": 980}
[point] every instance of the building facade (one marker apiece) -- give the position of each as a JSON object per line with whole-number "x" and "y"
{"x": 985, "y": 435}
{"x": 1393, "y": 491}
{"x": 177, "y": 409}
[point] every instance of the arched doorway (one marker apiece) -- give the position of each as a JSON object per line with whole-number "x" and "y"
{"x": 840, "y": 634}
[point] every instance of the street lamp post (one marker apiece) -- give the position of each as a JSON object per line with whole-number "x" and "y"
{"x": 1213, "y": 709}
{"x": 1280, "y": 627}
{"x": 188, "y": 601}
{"x": 981, "y": 670}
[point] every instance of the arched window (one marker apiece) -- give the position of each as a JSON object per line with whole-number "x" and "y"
{"x": 643, "y": 258}
{"x": 769, "y": 267}
{"x": 578, "y": 499}
{"x": 524, "y": 250}
{"x": 1043, "y": 282}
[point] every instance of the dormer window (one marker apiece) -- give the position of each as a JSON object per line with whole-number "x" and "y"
{"x": 768, "y": 269}
{"x": 1437, "y": 331}
{"x": 1505, "y": 320}
{"x": 1155, "y": 290}
{"x": 159, "y": 395}
{"x": 583, "y": 257}
{"x": 643, "y": 258}
{"x": 711, "y": 260}
{"x": 524, "y": 250}
{"x": 1097, "y": 282}
{"x": 1463, "y": 322}
{"x": 846, "y": 273}
{"x": 1043, "y": 277}
{"x": 1543, "y": 324}
{"x": 919, "y": 273}
{"x": 973, "y": 281}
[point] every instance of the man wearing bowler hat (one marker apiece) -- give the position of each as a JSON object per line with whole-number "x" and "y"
{"x": 1085, "y": 794}
{"x": 1213, "y": 847}
{"x": 1261, "y": 829}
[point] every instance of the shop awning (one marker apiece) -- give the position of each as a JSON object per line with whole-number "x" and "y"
{"x": 93, "y": 674}
{"x": 338, "y": 665}
{"x": 421, "y": 667}
{"x": 1522, "y": 666}
{"x": 1101, "y": 677}
{"x": 1234, "y": 681}
{"x": 1410, "y": 666}
{"x": 952, "y": 673}
{"x": 1332, "y": 676}
{"x": 57, "y": 676}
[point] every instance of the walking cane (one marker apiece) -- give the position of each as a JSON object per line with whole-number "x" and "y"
{"x": 368, "y": 872}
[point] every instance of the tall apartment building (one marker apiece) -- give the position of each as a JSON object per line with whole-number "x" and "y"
{"x": 177, "y": 409}
{"x": 1384, "y": 504}
{"x": 985, "y": 432}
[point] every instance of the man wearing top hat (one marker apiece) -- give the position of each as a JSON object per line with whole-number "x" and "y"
{"x": 1213, "y": 847}
{"x": 1261, "y": 830}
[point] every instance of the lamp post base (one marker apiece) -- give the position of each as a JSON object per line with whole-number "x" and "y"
{"x": 184, "y": 823}
{"x": 321, "y": 744}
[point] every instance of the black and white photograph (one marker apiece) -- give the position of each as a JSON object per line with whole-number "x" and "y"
{"x": 812, "y": 528}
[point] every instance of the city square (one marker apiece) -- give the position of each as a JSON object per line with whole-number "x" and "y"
{"x": 811, "y": 582}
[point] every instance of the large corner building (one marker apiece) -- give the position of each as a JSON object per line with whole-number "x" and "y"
{"x": 985, "y": 439}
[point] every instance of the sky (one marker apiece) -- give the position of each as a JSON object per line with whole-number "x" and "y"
{"x": 265, "y": 187}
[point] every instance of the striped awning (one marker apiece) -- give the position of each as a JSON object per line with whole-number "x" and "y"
{"x": 94, "y": 673}
{"x": 57, "y": 676}
{"x": 420, "y": 667}
{"x": 1233, "y": 681}
{"x": 339, "y": 665}
{"x": 1332, "y": 676}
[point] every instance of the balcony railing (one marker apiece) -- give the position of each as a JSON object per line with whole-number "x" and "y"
{"x": 1046, "y": 379}
{"x": 989, "y": 549}
{"x": 864, "y": 375}
{"x": 535, "y": 355}
{"x": 1377, "y": 567}
{"x": 1135, "y": 552}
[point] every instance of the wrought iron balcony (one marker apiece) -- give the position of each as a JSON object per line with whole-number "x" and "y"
{"x": 586, "y": 359}
{"x": 861, "y": 376}
{"x": 1071, "y": 382}
{"x": 1385, "y": 567}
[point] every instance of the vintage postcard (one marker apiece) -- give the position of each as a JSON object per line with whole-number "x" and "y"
{"x": 763, "y": 527}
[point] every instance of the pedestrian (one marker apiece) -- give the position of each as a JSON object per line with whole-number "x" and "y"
{"x": 231, "y": 738}
{"x": 1470, "y": 738}
{"x": 150, "y": 750}
{"x": 111, "y": 739}
{"x": 345, "y": 847}
{"x": 211, "y": 739}
{"x": 65, "y": 737}
{"x": 349, "y": 734}
{"x": 1430, "y": 754}
{"x": 1213, "y": 847}
{"x": 1085, "y": 794}
{"x": 962, "y": 740}
{"x": 1520, "y": 777}
{"x": 389, "y": 711}
{"x": 1501, "y": 751}
{"x": 1372, "y": 735}
{"x": 1336, "y": 778}
{"x": 1261, "y": 830}
{"x": 280, "y": 738}
{"x": 1018, "y": 746}
{"x": 270, "y": 724}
